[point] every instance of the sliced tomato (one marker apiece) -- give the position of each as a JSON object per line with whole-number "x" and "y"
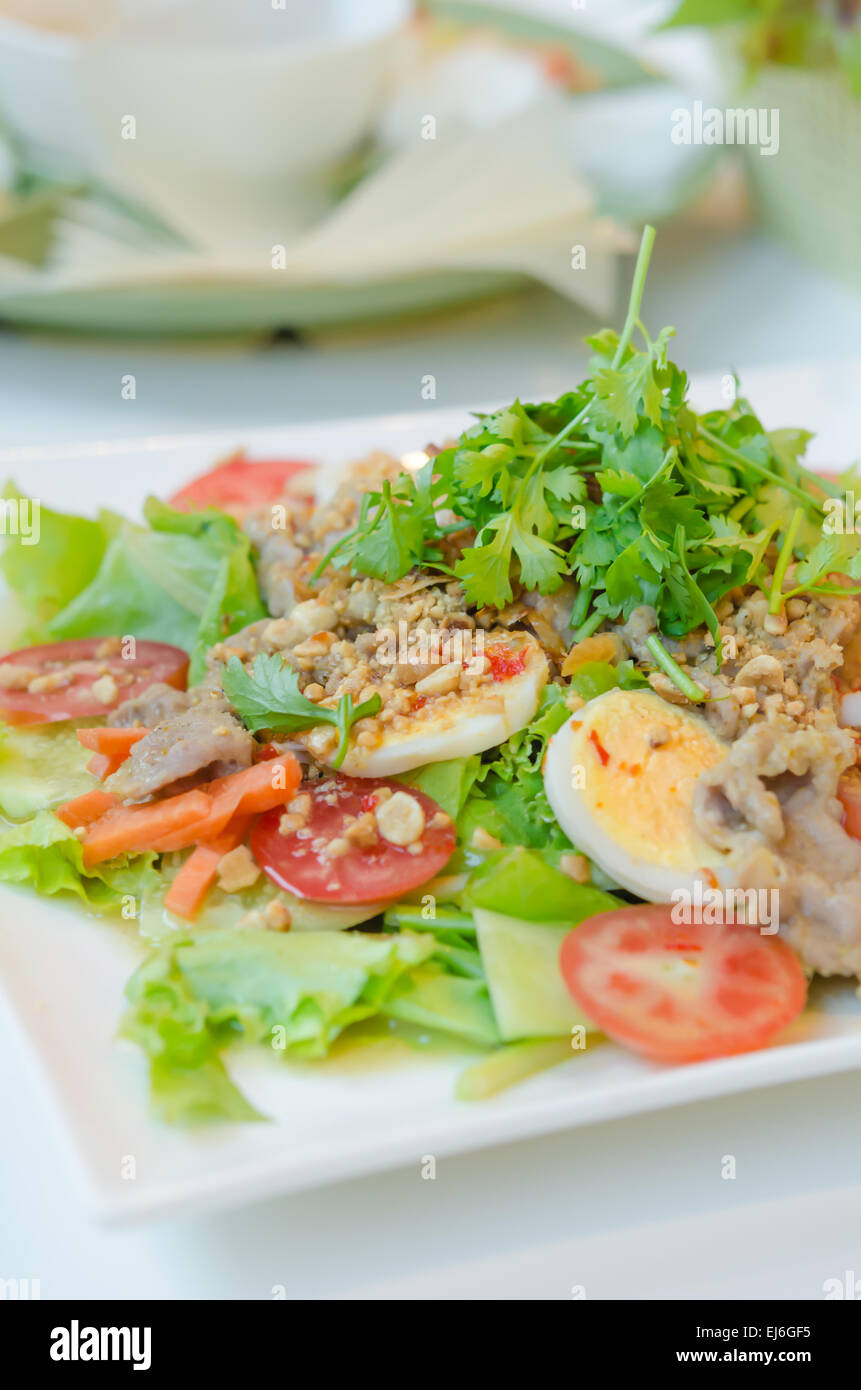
{"x": 681, "y": 993}
{"x": 238, "y": 484}
{"x": 365, "y": 872}
{"x": 64, "y": 674}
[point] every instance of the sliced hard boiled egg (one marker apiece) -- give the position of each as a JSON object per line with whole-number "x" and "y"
{"x": 620, "y": 777}
{"x": 448, "y": 717}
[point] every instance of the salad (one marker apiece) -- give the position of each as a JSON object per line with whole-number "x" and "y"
{"x": 549, "y": 736}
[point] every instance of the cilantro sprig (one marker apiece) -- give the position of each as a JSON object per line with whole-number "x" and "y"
{"x": 397, "y": 529}
{"x": 622, "y": 486}
{"x": 270, "y": 698}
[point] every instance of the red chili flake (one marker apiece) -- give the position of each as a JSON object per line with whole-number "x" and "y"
{"x": 599, "y": 748}
{"x": 369, "y": 802}
{"x": 263, "y": 755}
{"x": 419, "y": 702}
{"x": 504, "y": 663}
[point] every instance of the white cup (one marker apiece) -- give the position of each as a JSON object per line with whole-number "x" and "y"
{"x": 223, "y": 116}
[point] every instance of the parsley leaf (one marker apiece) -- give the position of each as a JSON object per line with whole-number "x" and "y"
{"x": 270, "y": 698}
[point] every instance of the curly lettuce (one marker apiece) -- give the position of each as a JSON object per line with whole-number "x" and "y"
{"x": 294, "y": 991}
{"x": 46, "y": 855}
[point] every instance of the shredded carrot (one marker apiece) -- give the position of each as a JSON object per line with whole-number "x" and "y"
{"x": 246, "y": 793}
{"x": 111, "y": 741}
{"x": 101, "y": 765}
{"x": 187, "y": 893}
{"x": 192, "y": 817}
{"x": 136, "y": 829}
{"x": 89, "y": 807}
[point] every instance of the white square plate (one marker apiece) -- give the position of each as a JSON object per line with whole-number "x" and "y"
{"x": 63, "y": 973}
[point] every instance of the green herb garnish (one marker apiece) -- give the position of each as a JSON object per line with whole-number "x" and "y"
{"x": 270, "y": 698}
{"x": 620, "y": 485}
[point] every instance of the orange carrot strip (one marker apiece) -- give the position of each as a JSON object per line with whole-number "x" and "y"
{"x": 246, "y": 793}
{"x": 101, "y": 765}
{"x": 111, "y": 741}
{"x": 187, "y": 893}
{"x": 89, "y": 807}
{"x": 136, "y": 829}
{"x": 201, "y": 814}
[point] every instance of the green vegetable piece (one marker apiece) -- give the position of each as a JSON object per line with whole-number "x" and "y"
{"x": 521, "y": 962}
{"x": 508, "y": 1066}
{"x": 522, "y": 882}
{"x": 270, "y": 698}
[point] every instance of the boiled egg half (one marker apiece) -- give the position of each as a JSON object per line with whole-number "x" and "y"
{"x": 620, "y": 777}
{"x": 447, "y": 721}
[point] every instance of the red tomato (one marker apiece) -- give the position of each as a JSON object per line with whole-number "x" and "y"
{"x": 71, "y": 669}
{"x": 366, "y": 873}
{"x": 238, "y": 484}
{"x": 681, "y": 993}
{"x": 849, "y": 792}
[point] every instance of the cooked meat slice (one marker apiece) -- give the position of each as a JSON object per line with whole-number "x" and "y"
{"x": 280, "y": 558}
{"x": 153, "y": 707}
{"x": 205, "y": 739}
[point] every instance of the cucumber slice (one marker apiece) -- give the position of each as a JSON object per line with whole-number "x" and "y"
{"x": 521, "y": 962}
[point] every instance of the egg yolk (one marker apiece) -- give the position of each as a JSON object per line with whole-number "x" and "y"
{"x": 641, "y": 759}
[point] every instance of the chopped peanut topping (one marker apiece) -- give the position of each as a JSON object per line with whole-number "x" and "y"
{"x": 482, "y": 839}
{"x": 277, "y": 916}
{"x": 576, "y": 866}
{"x": 237, "y": 870}
{"x": 14, "y": 677}
{"x": 104, "y": 690}
{"x": 400, "y": 819}
{"x": 54, "y": 680}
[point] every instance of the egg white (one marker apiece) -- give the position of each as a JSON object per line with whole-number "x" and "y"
{"x": 629, "y": 806}
{"x": 451, "y": 726}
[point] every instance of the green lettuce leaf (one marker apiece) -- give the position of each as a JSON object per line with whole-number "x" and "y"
{"x": 234, "y": 599}
{"x": 508, "y": 799}
{"x": 187, "y": 580}
{"x": 597, "y": 677}
{"x": 295, "y": 991}
{"x": 40, "y": 767}
{"x": 448, "y": 783}
{"x": 46, "y": 576}
{"x": 431, "y": 997}
{"x": 44, "y": 853}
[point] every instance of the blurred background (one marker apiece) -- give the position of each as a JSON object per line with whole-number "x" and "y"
{"x": 265, "y": 211}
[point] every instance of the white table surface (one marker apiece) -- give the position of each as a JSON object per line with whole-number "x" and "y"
{"x": 628, "y": 1209}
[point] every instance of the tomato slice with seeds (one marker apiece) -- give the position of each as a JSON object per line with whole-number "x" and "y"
{"x": 681, "y": 993}
{"x": 238, "y": 484}
{"x": 370, "y": 868}
{"x": 64, "y": 674}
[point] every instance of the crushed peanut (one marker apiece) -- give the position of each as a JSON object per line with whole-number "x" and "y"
{"x": 576, "y": 866}
{"x": 277, "y": 916}
{"x": 104, "y": 690}
{"x": 400, "y": 819}
{"x": 237, "y": 869}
